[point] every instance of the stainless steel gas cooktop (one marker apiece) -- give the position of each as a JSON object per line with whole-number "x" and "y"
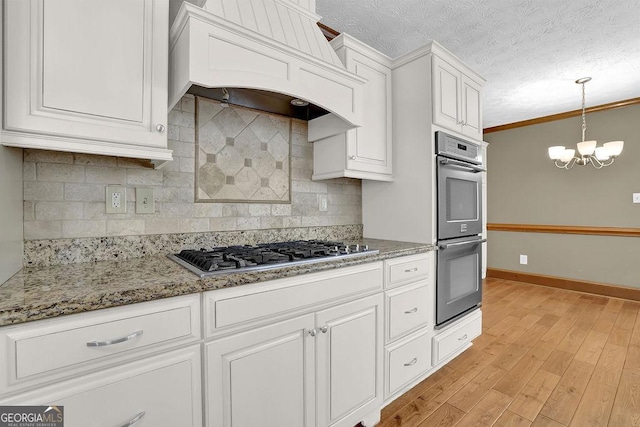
{"x": 235, "y": 259}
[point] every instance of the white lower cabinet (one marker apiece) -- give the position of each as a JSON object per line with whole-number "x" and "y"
{"x": 318, "y": 369}
{"x": 161, "y": 391}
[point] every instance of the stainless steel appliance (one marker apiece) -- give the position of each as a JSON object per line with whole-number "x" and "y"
{"x": 459, "y": 224}
{"x": 238, "y": 259}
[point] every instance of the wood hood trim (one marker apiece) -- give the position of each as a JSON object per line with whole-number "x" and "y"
{"x": 566, "y": 229}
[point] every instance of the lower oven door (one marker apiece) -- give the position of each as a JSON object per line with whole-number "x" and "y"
{"x": 458, "y": 278}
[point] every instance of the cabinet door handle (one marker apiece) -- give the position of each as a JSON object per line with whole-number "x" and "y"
{"x": 462, "y": 338}
{"x": 413, "y": 310}
{"x": 133, "y": 420}
{"x": 353, "y": 157}
{"x": 160, "y": 128}
{"x": 411, "y": 270}
{"x": 313, "y": 332}
{"x": 324, "y": 329}
{"x": 413, "y": 362}
{"x": 114, "y": 341}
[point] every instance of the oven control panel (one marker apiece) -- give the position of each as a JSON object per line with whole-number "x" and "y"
{"x": 457, "y": 148}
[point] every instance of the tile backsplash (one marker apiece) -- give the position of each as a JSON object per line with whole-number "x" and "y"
{"x": 64, "y": 193}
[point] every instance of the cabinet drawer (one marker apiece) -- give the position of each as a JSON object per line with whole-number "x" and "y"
{"x": 407, "y": 361}
{"x": 45, "y": 347}
{"x": 409, "y": 308}
{"x": 457, "y": 336}
{"x": 407, "y": 269}
{"x": 227, "y": 307}
{"x": 161, "y": 391}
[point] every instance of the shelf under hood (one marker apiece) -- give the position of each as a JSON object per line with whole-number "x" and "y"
{"x": 271, "y": 46}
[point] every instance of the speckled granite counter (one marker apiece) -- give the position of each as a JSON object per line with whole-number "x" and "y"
{"x": 41, "y": 293}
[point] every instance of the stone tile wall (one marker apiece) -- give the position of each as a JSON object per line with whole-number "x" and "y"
{"x": 64, "y": 193}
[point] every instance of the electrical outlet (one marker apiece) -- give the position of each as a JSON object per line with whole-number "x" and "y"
{"x": 523, "y": 259}
{"x": 116, "y": 199}
{"x": 323, "y": 203}
{"x": 636, "y": 197}
{"x": 144, "y": 201}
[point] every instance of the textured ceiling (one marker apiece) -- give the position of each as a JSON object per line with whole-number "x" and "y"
{"x": 530, "y": 51}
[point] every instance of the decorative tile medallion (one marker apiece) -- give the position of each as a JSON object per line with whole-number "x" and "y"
{"x": 242, "y": 155}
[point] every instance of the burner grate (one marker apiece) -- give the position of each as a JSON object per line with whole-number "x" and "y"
{"x": 207, "y": 262}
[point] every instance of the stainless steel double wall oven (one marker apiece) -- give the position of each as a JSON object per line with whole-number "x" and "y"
{"x": 459, "y": 224}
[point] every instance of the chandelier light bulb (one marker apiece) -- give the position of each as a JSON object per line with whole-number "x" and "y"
{"x": 602, "y": 154}
{"x": 555, "y": 152}
{"x": 586, "y": 148}
{"x": 614, "y": 148}
{"x": 567, "y": 155}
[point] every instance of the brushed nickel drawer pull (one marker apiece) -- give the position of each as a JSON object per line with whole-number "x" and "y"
{"x": 313, "y": 332}
{"x": 413, "y": 310}
{"x": 413, "y": 362}
{"x": 133, "y": 420}
{"x": 114, "y": 341}
{"x": 324, "y": 329}
{"x": 463, "y": 338}
{"x": 411, "y": 270}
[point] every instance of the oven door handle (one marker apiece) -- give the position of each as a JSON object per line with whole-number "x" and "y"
{"x": 469, "y": 242}
{"x": 464, "y": 165}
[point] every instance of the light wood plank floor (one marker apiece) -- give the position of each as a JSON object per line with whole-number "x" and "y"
{"x": 547, "y": 357}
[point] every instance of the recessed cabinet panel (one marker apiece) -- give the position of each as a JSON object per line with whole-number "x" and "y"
{"x": 449, "y": 94}
{"x": 160, "y": 391}
{"x": 471, "y": 109}
{"x": 374, "y": 150}
{"x": 262, "y": 377}
{"x": 70, "y": 28}
{"x": 350, "y": 359}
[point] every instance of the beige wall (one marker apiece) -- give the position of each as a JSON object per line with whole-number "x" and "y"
{"x": 525, "y": 188}
{"x": 64, "y": 193}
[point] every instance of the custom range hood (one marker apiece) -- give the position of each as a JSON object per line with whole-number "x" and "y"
{"x": 263, "y": 50}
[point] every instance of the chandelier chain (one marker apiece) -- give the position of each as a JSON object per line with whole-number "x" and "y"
{"x": 584, "y": 117}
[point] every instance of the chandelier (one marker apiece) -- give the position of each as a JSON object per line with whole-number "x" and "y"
{"x": 598, "y": 157}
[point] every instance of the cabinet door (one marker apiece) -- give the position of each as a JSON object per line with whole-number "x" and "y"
{"x": 349, "y": 361}
{"x": 369, "y": 146}
{"x": 162, "y": 391}
{"x": 262, "y": 377}
{"x": 471, "y": 110}
{"x": 87, "y": 75}
{"x": 446, "y": 94}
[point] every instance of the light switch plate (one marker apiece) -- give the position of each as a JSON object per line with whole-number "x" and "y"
{"x": 144, "y": 201}
{"x": 322, "y": 202}
{"x": 523, "y": 259}
{"x": 636, "y": 197}
{"x": 116, "y": 199}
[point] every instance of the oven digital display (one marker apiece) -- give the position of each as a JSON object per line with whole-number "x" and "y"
{"x": 462, "y": 147}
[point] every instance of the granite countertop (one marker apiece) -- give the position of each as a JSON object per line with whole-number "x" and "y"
{"x": 46, "y": 292}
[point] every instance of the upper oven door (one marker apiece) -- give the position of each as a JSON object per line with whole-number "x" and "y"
{"x": 459, "y": 198}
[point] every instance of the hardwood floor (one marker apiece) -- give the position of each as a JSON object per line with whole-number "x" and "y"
{"x": 547, "y": 357}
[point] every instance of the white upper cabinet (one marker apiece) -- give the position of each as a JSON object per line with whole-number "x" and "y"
{"x": 364, "y": 152}
{"x": 87, "y": 76}
{"x": 456, "y": 100}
